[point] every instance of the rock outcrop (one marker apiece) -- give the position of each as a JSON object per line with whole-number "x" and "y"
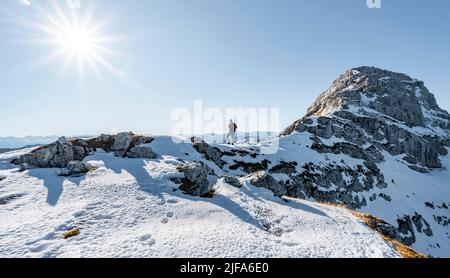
{"x": 375, "y": 110}
{"x": 195, "y": 181}
{"x": 55, "y": 155}
{"x": 60, "y": 153}
{"x": 209, "y": 152}
{"x": 265, "y": 180}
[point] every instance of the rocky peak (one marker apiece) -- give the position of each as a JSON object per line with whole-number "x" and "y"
{"x": 379, "y": 93}
{"x": 371, "y": 110}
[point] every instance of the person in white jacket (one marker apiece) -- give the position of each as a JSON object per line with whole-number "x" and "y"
{"x": 232, "y": 127}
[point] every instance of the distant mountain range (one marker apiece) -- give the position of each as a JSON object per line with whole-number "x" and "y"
{"x": 15, "y": 142}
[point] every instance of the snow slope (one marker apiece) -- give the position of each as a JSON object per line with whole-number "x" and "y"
{"x": 410, "y": 192}
{"x": 129, "y": 208}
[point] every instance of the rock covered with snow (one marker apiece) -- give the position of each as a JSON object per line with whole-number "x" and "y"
{"x": 63, "y": 151}
{"x": 232, "y": 180}
{"x": 265, "y": 180}
{"x": 195, "y": 181}
{"x": 77, "y": 167}
{"x": 209, "y": 152}
{"x": 375, "y": 110}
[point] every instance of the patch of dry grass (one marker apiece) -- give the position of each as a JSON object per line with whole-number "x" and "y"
{"x": 72, "y": 233}
{"x": 373, "y": 222}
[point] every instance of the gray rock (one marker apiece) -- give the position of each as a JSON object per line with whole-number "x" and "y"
{"x": 195, "y": 181}
{"x": 77, "y": 168}
{"x": 234, "y": 181}
{"x": 265, "y": 180}
{"x": 141, "y": 152}
{"x": 210, "y": 153}
{"x": 55, "y": 155}
{"x": 122, "y": 143}
{"x": 60, "y": 153}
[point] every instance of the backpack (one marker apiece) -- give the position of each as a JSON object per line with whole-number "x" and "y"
{"x": 235, "y": 127}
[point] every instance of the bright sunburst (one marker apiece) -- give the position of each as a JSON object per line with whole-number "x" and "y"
{"x": 74, "y": 37}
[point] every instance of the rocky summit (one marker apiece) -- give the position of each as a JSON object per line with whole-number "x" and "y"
{"x": 375, "y": 110}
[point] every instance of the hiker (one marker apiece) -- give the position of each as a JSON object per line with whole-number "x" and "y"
{"x": 232, "y": 127}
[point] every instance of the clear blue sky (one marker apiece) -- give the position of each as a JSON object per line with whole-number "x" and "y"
{"x": 228, "y": 53}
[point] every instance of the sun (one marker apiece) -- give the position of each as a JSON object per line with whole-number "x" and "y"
{"x": 78, "y": 41}
{"x": 73, "y": 37}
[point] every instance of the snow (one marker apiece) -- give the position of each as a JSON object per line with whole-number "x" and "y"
{"x": 129, "y": 208}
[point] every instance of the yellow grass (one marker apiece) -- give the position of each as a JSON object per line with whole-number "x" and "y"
{"x": 72, "y": 233}
{"x": 403, "y": 250}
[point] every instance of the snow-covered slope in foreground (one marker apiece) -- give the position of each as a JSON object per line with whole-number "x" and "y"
{"x": 129, "y": 208}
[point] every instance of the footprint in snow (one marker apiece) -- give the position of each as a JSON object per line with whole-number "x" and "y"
{"x": 165, "y": 221}
{"x": 170, "y": 214}
{"x": 147, "y": 239}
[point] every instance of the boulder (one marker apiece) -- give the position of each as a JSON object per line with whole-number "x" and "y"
{"x": 233, "y": 181}
{"x": 122, "y": 143}
{"x": 265, "y": 180}
{"x": 195, "y": 181}
{"x": 55, "y": 155}
{"x": 77, "y": 168}
{"x": 141, "y": 152}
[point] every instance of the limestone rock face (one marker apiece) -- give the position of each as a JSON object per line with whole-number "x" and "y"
{"x": 55, "y": 155}
{"x": 63, "y": 151}
{"x": 376, "y": 110}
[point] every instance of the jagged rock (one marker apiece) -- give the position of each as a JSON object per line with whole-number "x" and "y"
{"x": 60, "y": 153}
{"x": 195, "y": 181}
{"x": 422, "y": 225}
{"x": 210, "y": 153}
{"x": 55, "y": 155}
{"x": 2, "y": 178}
{"x": 250, "y": 167}
{"x": 419, "y": 169}
{"x": 265, "y": 180}
{"x": 406, "y": 230}
{"x": 234, "y": 181}
{"x": 122, "y": 143}
{"x": 141, "y": 152}
{"x": 284, "y": 168}
{"x": 336, "y": 184}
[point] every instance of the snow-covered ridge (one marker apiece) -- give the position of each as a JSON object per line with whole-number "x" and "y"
{"x": 131, "y": 208}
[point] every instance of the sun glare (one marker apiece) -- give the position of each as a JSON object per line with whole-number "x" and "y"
{"x": 74, "y": 38}
{"x": 78, "y": 41}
